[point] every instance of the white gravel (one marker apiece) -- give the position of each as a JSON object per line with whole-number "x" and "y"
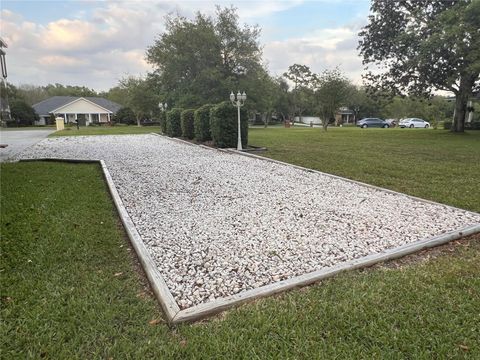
{"x": 219, "y": 223}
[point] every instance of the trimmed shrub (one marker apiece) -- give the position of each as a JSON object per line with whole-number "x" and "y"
{"x": 201, "y": 123}
{"x": 186, "y": 120}
{"x": 163, "y": 121}
{"x": 174, "y": 127}
{"x": 223, "y": 125}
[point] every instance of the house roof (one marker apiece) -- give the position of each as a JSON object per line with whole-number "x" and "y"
{"x": 45, "y": 107}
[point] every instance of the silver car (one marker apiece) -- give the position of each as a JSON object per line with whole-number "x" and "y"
{"x": 414, "y": 123}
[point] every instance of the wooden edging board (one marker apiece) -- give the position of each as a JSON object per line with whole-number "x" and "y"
{"x": 175, "y": 315}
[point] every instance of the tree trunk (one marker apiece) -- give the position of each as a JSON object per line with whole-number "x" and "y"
{"x": 138, "y": 121}
{"x": 461, "y": 100}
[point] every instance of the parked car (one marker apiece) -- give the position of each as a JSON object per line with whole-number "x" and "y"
{"x": 414, "y": 123}
{"x": 372, "y": 122}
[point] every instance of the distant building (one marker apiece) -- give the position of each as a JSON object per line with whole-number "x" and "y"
{"x": 85, "y": 110}
{"x": 344, "y": 116}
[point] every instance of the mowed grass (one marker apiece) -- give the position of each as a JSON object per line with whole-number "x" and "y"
{"x": 106, "y": 130}
{"x": 70, "y": 288}
{"x": 431, "y": 164}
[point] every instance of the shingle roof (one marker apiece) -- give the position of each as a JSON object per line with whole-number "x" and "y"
{"x": 45, "y": 107}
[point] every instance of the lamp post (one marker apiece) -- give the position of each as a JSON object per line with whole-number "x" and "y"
{"x": 238, "y": 102}
{"x": 162, "y": 106}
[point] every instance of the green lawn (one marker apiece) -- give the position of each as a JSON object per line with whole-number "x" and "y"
{"x": 70, "y": 287}
{"x": 431, "y": 164}
{"x": 106, "y": 130}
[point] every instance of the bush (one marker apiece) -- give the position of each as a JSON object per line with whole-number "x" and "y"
{"x": 174, "y": 127}
{"x": 447, "y": 125}
{"x": 186, "y": 121}
{"x": 201, "y": 123}
{"x": 223, "y": 125}
{"x": 22, "y": 113}
{"x": 125, "y": 116}
{"x": 163, "y": 121}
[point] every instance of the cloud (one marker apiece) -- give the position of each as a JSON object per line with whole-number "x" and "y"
{"x": 321, "y": 50}
{"x": 55, "y": 61}
{"x": 99, "y": 46}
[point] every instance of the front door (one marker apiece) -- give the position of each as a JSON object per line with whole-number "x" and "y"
{"x": 82, "y": 119}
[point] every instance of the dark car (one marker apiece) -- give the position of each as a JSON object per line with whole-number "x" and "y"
{"x": 372, "y": 122}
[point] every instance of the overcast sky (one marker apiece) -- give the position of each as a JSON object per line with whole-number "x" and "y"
{"x": 95, "y": 44}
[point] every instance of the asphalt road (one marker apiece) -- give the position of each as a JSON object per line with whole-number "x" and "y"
{"x": 19, "y": 140}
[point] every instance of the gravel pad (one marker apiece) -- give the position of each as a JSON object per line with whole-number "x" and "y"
{"x": 217, "y": 223}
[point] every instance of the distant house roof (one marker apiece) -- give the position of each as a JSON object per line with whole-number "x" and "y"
{"x": 45, "y": 107}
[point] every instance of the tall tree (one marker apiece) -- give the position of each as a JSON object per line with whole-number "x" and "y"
{"x": 200, "y": 61}
{"x": 332, "y": 92}
{"x": 22, "y": 113}
{"x": 140, "y": 98}
{"x": 362, "y": 104}
{"x": 425, "y": 45}
{"x": 303, "y": 79}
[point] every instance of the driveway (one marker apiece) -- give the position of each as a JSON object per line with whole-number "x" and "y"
{"x": 19, "y": 140}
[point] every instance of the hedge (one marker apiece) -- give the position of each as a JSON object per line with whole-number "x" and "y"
{"x": 174, "y": 127}
{"x": 186, "y": 120}
{"x": 223, "y": 125}
{"x": 201, "y": 123}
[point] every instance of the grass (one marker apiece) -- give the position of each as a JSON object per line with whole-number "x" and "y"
{"x": 70, "y": 286}
{"x": 431, "y": 164}
{"x": 106, "y": 130}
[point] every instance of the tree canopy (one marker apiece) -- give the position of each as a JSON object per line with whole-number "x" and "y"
{"x": 200, "y": 61}
{"x": 419, "y": 46}
{"x": 332, "y": 91}
{"x": 22, "y": 113}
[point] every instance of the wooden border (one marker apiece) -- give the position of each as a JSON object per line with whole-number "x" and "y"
{"x": 172, "y": 311}
{"x": 157, "y": 282}
{"x": 203, "y": 310}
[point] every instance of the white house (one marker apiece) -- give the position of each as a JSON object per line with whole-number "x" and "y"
{"x": 85, "y": 110}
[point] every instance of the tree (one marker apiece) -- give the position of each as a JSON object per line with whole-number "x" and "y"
{"x": 332, "y": 92}
{"x": 139, "y": 98}
{"x": 125, "y": 116}
{"x": 362, "y": 104}
{"x": 425, "y": 46}
{"x": 22, "y": 113}
{"x": 116, "y": 94}
{"x": 200, "y": 61}
{"x": 302, "y": 79}
{"x": 33, "y": 94}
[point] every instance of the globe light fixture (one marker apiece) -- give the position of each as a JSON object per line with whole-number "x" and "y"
{"x": 238, "y": 102}
{"x": 162, "y": 106}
